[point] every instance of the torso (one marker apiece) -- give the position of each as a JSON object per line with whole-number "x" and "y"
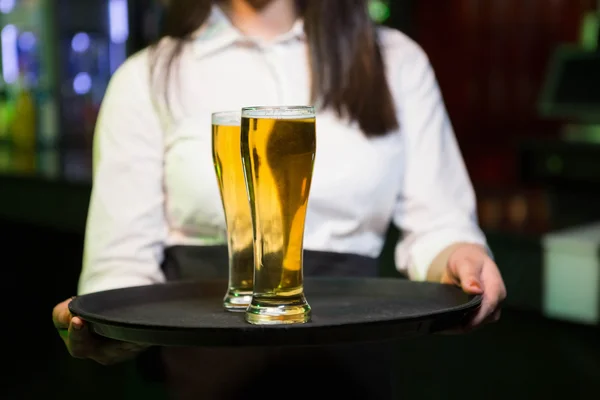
{"x": 356, "y": 180}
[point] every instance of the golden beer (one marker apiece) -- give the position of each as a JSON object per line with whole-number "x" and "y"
{"x": 278, "y": 153}
{"x": 232, "y": 186}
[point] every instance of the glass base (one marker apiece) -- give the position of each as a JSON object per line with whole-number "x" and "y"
{"x": 270, "y": 311}
{"x": 237, "y": 300}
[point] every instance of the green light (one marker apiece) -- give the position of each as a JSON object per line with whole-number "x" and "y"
{"x": 554, "y": 164}
{"x": 379, "y": 10}
{"x": 589, "y": 31}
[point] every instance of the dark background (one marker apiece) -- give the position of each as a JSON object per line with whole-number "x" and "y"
{"x": 492, "y": 58}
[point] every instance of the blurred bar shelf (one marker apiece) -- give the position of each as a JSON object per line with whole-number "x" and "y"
{"x": 50, "y": 198}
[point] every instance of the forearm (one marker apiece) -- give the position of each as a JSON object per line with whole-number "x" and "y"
{"x": 439, "y": 263}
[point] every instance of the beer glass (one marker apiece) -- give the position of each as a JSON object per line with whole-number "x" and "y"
{"x": 232, "y": 186}
{"x": 278, "y": 153}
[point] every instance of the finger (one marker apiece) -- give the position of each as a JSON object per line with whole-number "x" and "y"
{"x": 81, "y": 343}
{"x": 494, "y": 294}
{"x": 495, "y": 317}
{"x": 469, "y": 327}
{"x": 491, "y": 274}
{"x": 488, "y": 306}
{"x": 85, "y": 344}
{"x": 61, "y": 316}
{"x": 77, "y": 323}
{"x": 468, "y": 273}
{"x": 492, "y": 318}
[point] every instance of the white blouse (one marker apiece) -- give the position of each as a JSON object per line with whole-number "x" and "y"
{"x": 154, "y": 182}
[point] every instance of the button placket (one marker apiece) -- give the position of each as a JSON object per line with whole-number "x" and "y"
{"x": 271, "y": 58}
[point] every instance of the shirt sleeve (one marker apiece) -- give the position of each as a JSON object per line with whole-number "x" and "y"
{"x": 436, "y": 206}
{"x": 126, "y": 227}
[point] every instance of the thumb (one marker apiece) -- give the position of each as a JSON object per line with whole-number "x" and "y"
{"x": 468, "y": 274}
{"x": 61, "y": 316}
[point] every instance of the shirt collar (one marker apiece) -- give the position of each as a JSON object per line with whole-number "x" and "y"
{"x": 218, "y": 33}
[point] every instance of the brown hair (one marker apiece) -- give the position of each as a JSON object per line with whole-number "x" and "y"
{"x": 348, "y": 72}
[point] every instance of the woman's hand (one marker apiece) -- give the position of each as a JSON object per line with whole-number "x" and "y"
{"x": 82, "y": 343}
{"x": 470, "y": 267}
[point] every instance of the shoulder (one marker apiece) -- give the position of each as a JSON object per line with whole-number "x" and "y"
{"x": 128, "y": 108}
{"x": 407, "y": 65}
{"x": 399, "y": 48}
{"x": 135, "y": 80}
{"x": 130, "y": 87}
{"x": 136, "y": 70}
{"x": 131, "y": 77}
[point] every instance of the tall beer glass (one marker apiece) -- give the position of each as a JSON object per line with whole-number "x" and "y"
{"x": 230, "y": 175}
{"x": 278, "y": 153}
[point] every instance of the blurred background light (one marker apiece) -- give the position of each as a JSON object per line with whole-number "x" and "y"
{"x": 80, "y": 42}
{"x": 6, "y": 6}
{"x": 10, "y": 53}
{"x": 82, "y": 83}
{"x": 379, "y": 10}
{"x": 118, "y": 20}
{"x": 27, "y": 41}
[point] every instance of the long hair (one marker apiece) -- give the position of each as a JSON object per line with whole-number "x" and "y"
{"x": 346, "y": 63}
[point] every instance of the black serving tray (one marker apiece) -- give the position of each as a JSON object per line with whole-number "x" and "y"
{"x": 344, "y": 310}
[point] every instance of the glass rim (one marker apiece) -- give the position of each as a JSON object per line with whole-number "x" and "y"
{"x": 227, "y": 118}
{"x": 279, "y": 112}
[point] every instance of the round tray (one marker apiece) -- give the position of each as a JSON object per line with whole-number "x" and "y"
{"x": 343, "y": 310}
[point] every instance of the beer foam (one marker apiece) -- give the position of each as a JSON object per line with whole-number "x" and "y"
{"x": 282, "y": 112}
{"x": 227, "y": 118}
